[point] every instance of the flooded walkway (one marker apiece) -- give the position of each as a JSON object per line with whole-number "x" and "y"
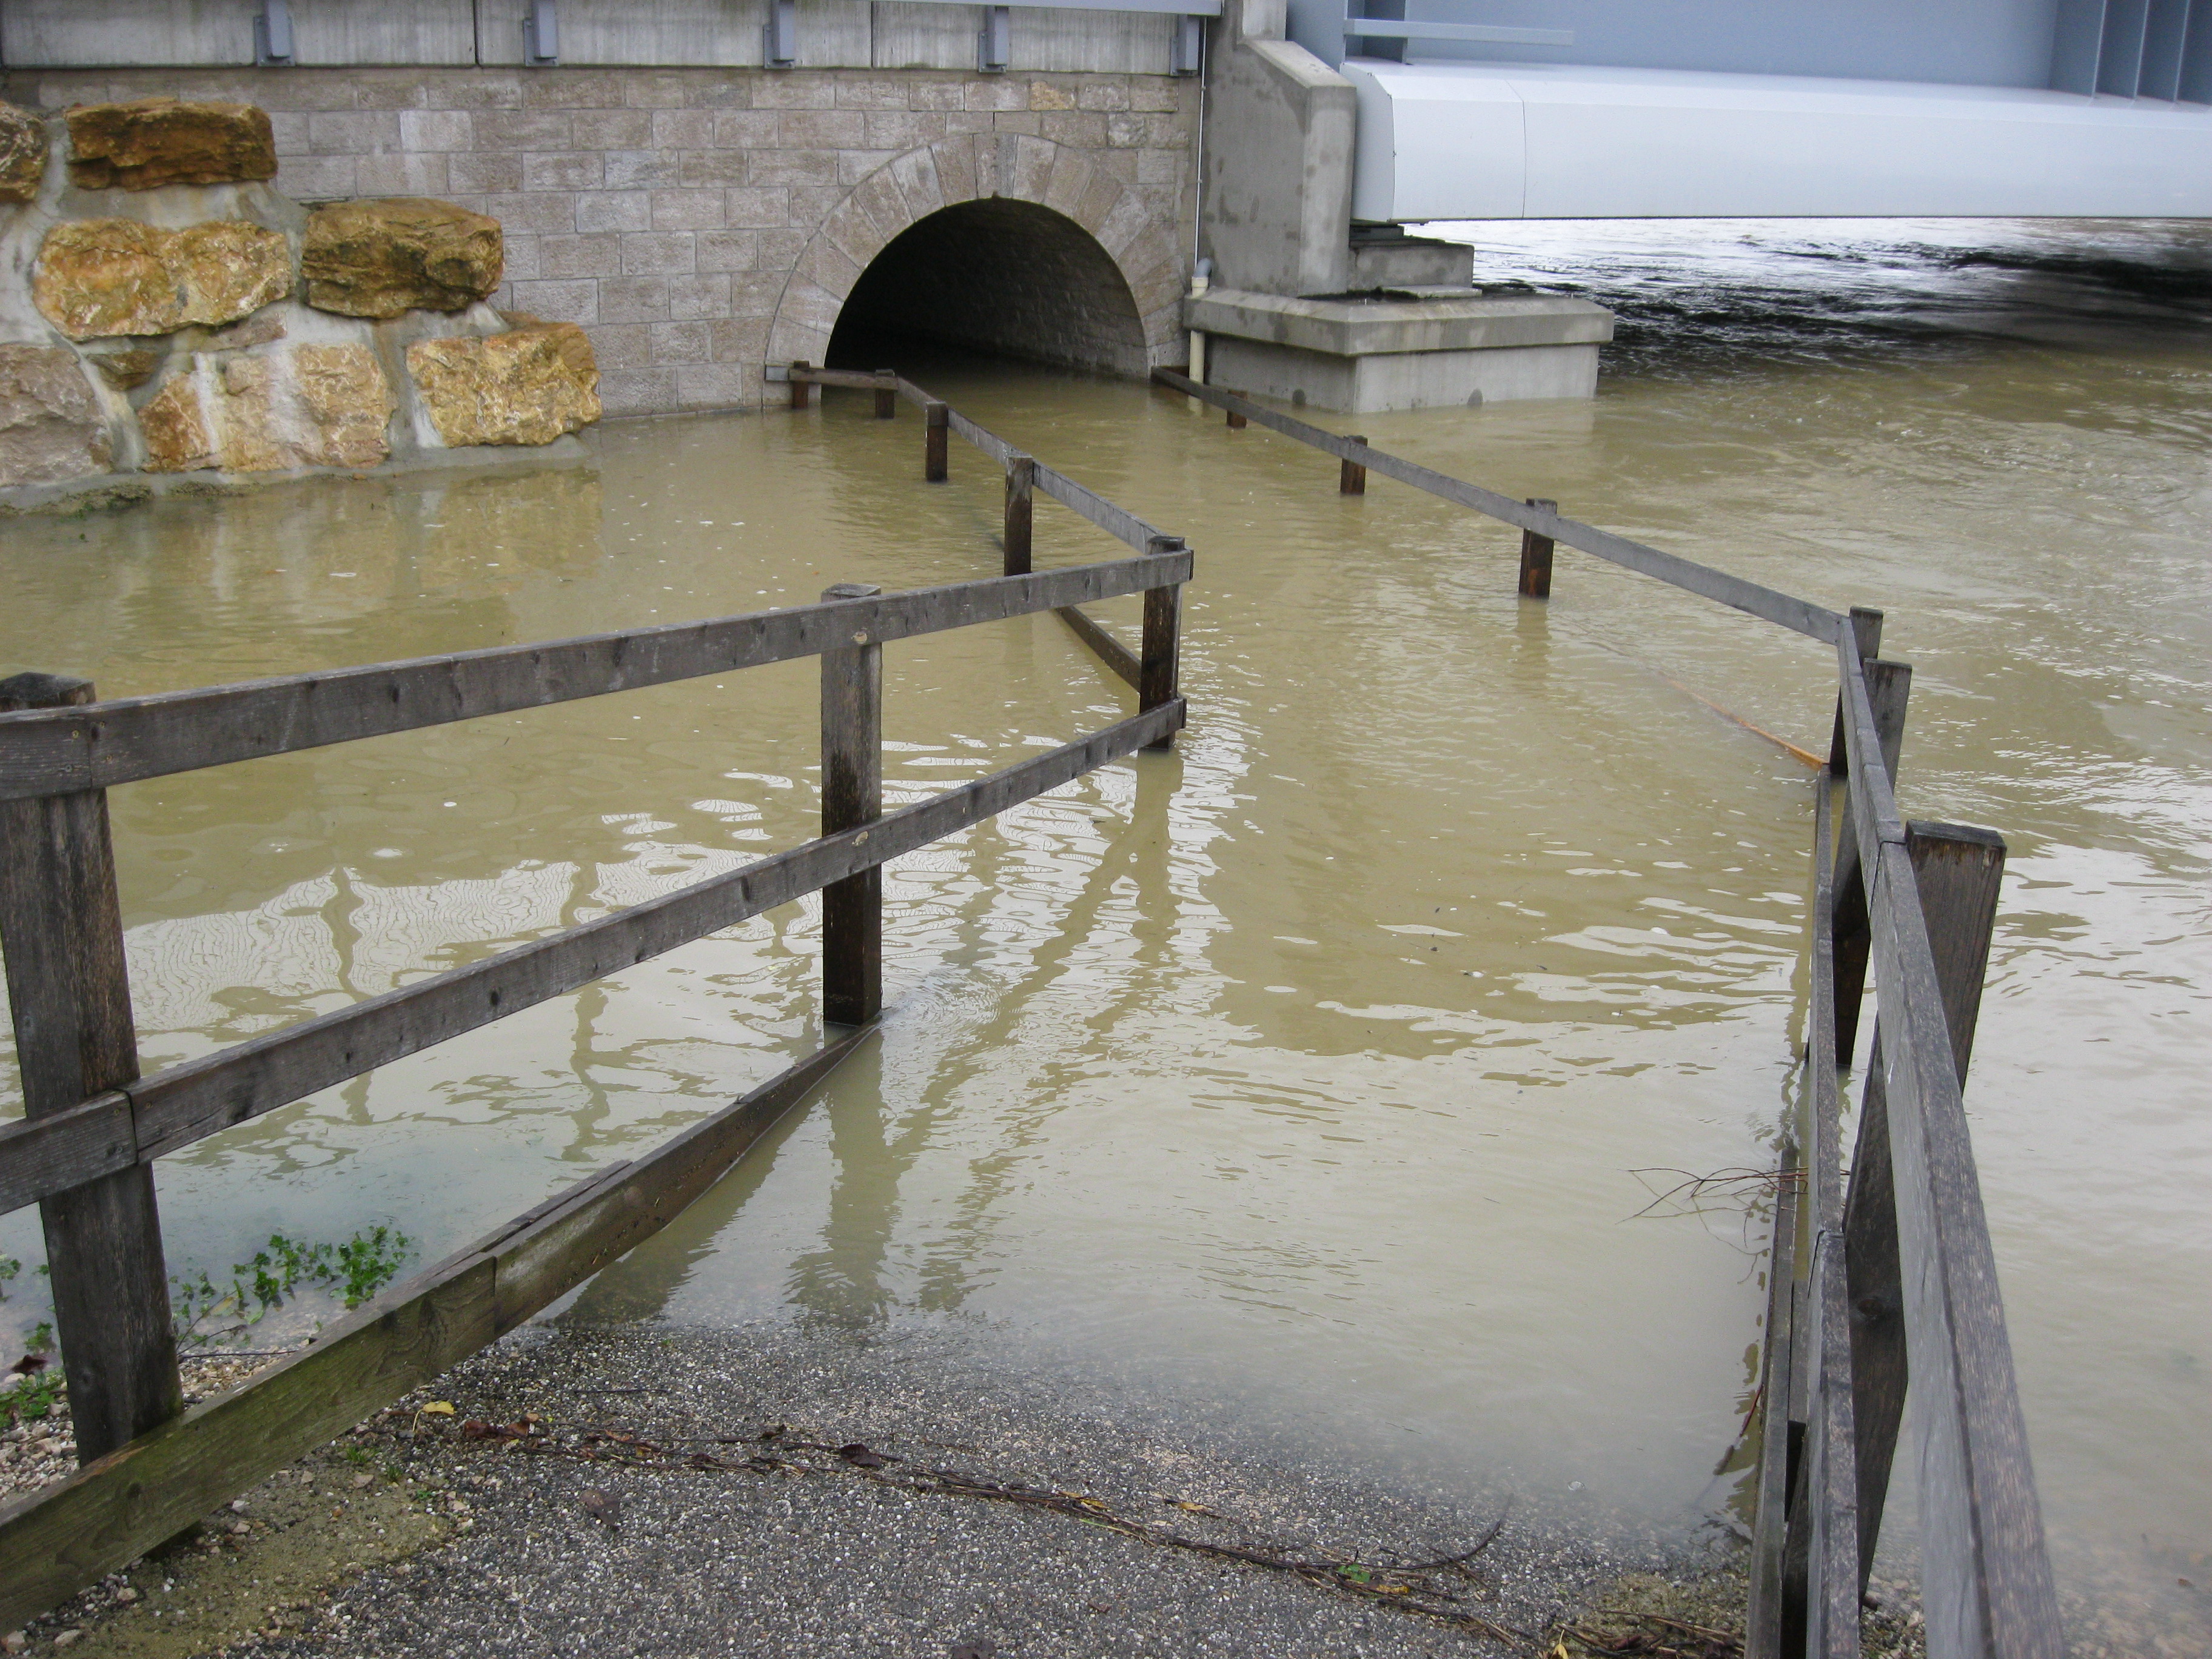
{"x": 1326, "y": 1065}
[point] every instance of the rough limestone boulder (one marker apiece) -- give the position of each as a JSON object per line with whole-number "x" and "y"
{"x": 51, "y": 425}
{"x": 103, "y": 276}
{"x": 22, "y": 155}
{"x": 153, "y": 142}
{"x": 313, "y": 405}
{"x": 384, "y": 259}
{"x": 526, "y": 387}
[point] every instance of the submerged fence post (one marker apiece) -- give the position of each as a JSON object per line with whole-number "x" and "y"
{"x": 1958, "y": 870}
{"x": 853, "y": 797}
{"x": 1889, "y": 686}
{"x": 1235, "y": 421}
{"x": 1021, "y": 489}
{"x": 1536, "y": 558}
{"x": 61, "y": 923}
{"x": 1157, "y": 659}
{"x": 1351, "y": 476}
{"x": 936, "y": 426}
{"x": 887, "y": 394}
{"x": 800, "y": 388}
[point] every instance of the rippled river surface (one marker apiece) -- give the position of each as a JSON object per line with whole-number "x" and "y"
{"x": 1332, "y": 1064}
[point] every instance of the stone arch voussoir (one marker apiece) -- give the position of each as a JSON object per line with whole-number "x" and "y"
{"x": 911, "y": 187}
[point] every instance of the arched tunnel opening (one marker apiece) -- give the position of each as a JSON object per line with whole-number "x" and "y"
{"x": 1003, "y": 277}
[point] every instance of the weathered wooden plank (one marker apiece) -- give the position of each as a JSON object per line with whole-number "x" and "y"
{"x": 547, "y": 1255}
{"x": 1889, "y": 687}
{"x": 65, "y": 1149}
{"x": 1986, "y": 1579}
{"x": 1958, "y": 870}
{"x": 1800, "y": 616}
{"x": 860, "y": 380}
{"x": 48, "y": 751}
{"x": 1159, "y": 657}
{"x": 1117, "y": 657}
{"x": 1880, "y": 1364}
{"x": 852, "y": 799}
{"x": 1823, "y": 1551}
{"x": 188, "y": 1101}
{"x": 1535, "y": 557}
{"x": 56, "y": 1541}
{"x": 1830, "y": 1509}
{"x": 61, "y": 923}
{"x": 1763, "y": 1629}
{"x": 1866, "y": 632}
{"x": 983, "y": 437}
{"x": 1017, "y": 536}
{"x": 1870, "y": 815}
{"x": 1117, "y": 522}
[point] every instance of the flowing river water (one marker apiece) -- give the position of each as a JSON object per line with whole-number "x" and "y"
{"x": 1332, "y": 1064}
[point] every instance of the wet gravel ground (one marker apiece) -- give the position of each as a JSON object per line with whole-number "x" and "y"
{"x": 571, "y": 1544}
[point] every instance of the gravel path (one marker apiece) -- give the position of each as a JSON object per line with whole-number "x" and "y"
{"x": 788, "y": 1489}
{"x": 640, "y": 1554}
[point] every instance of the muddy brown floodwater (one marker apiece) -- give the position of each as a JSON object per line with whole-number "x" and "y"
{"x": 1328, "y": 1065}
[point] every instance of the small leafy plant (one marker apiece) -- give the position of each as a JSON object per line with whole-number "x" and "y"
{"x": 353, "y": 1270}
{"x": 38, "y": 1387}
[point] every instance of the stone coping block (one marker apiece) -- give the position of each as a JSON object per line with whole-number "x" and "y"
{"x": 1361, "y": 328}
{"x": 152, "y": 142}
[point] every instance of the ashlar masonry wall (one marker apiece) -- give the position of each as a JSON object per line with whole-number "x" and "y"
{"x": 700, "y": 223}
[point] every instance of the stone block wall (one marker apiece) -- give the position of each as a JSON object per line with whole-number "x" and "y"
{"x": 700, "y": 223}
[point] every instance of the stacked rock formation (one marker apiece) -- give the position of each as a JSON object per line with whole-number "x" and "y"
{"x": 182, "y": 315}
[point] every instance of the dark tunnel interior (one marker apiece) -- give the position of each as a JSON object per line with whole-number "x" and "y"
{"x": 1004, "y": 277}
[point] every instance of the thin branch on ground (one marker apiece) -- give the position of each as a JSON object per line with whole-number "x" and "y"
{"x": 776, "y": 1452}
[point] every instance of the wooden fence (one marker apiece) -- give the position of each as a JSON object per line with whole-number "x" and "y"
{"x": 93, "y": 1126}
{"x": 1889, "y": 1273}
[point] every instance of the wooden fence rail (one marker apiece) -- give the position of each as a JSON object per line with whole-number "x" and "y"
{"x": 1895, "y": 1274}
{"x": 93, "y": 1127}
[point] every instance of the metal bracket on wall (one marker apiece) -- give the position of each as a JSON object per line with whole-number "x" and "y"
{"x": 541, "y": 33}
{"x": 780, "y": 34}
{"x": 994, "y": 43}
{"x": 1189, "y": 47}
{"x": 272, "y": 34}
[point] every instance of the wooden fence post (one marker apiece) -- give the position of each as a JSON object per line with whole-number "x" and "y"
{"x": 1536, "y": 558}
{"x": 1351, "y": 476}
{"x": 1866, "y": 629}
{"x": 799, "y": 388}
{"x": 1958, "y": 870}
{"x": 853, "y": 796}
{"x": 936, "y": 428}
{"x": 1157, "y": 659}
{"x": 61, "y": 923}
{"x": 1777, "y": 1433}
{"x": 887, "y": 394}
{"x": 1021, "y": 489}
{"x": 1889, "y": 685}
{"x": 1235, "y": 421}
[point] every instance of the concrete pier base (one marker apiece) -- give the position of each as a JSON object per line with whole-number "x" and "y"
{"x": 1404, "y": 348}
